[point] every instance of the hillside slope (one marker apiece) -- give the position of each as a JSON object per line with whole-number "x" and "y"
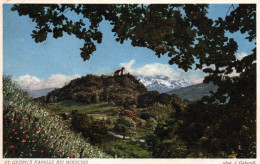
{"x": 30, "y": 131}
{"x": 194, "y": 92}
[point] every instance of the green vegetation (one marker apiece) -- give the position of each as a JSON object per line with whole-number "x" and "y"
{"x": 126, "y": 148}
{"x": 95, "y": 130}
{"x": 125, "y": 126}
{"x": 70, "y": 105}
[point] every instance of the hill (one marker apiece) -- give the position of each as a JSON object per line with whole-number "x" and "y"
{"x": 121, "y": 90}
{"x": 194, "y": 92}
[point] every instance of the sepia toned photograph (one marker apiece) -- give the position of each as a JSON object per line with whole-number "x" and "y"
{"x": 138, "y": 81}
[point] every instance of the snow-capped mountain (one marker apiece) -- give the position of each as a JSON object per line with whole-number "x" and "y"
{"x": 162, "y": 83}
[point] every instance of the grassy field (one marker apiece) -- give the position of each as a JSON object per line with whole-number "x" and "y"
{"x": 97, "y": 110}
{"x": 130, "y": 149}
{"x": 121, "y": 148}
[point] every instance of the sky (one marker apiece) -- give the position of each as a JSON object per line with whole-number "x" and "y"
{"x": 54, "y": 62}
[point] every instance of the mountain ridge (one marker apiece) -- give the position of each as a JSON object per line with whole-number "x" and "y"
{"x": 194, "y": 92}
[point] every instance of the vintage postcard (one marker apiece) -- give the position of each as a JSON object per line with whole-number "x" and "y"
{"x": 129, "y": 82}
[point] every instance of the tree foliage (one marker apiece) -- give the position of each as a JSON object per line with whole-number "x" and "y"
{"x": 95, "y": 130}
{"x": 125, "y": 126}
{"x": 92, "y": 88}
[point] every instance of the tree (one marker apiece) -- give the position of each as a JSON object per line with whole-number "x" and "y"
{"x": 94, "y": 130}
{"x": 151, "y": 123}
{"x": 148, "y": 98}
{"x": 125, "y": 126}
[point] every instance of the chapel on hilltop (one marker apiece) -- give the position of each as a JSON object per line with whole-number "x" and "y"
{"x": 119, "y": 72}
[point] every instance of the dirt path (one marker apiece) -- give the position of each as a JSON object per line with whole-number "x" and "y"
{"x": 120, "y": 136}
